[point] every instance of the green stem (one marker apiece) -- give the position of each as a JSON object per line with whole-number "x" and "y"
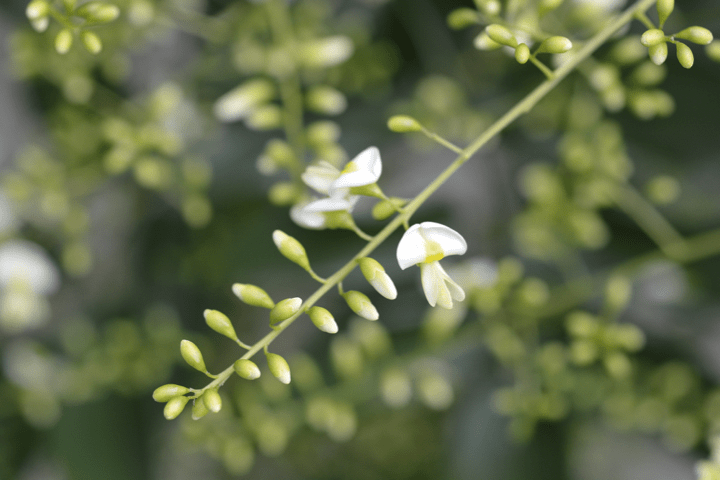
{"x": 544, "y": 69}
{"x": 645, "y": 20}
{"x": 445, "y": 143}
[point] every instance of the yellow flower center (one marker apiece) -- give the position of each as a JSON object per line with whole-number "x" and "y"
{"x": 434, "y": 251}
{"x": 349, "y": 168}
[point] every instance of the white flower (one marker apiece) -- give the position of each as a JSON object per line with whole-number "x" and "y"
{"x": 364, "y": 169}
{"x": 425, "y": 244}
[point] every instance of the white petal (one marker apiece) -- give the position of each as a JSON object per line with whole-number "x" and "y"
{"x": 455, "y": 290}
{"x": 451, "y": 242}
{"x": 411, "y": 249}
{"x": 364, "y": 169}
{"x": 432, "y": 282}
{"x": 333, "y": 203}
{"x": 300, "y": 215}
{"x": 319, "y": 177}
{"x": 384, "y": 285}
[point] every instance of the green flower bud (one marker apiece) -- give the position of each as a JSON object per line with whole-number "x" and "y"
{"x": 212, "y": 400}
{"x": 713, "y": 51}
{"x": 684, "y": 55}
{"x": 664, "y": 9}
{"x": 395, "y": 387}
{"x": 501, "y": 35}
{"x": 375, "y": 274}
{"x": 285, "y": 309}
{"x": 555, "y": 45}
{"x": 199, "y": 409}
{"x": 435, "y": 391}
{"x": 191, "y": 354}
{"x": 291, "y": 249}
{"x": 522, "y": 54}
{"x": 548, "y": 6}
{"x": 239, "y": 102}
{"x": 98, "y": 12}
{"x": 37, "y": 9}
{"x": 284, "y": 194}
{"x": 219, "y": 322}
{"x": 40, "y": 24}
{"x": 699, "y": 35}
{"x": 403, "y": 124}
{"x": 175, "y": 406}
{"x": 63, "y": 41}
{"x": 266, "y": 117}
{"x": 326, "y": 100}
{"x": 278, "y": 367}
{"x": 166, "y": 392}
{"x": 327, "y": 52}
{"x": 360, "y": 304}
{"x": 246, "y": 369}
{"x": 652, "y": 37}
{"x": 663, "y": 189}
{"x": 484, "y": 42}
{"x": 252, "y": 295}
{"x": 658, "y": 53}
{"x": 617, "y": 292}
{"x": 91, "y": 42}
{"x": 461, "y": 18}
{"x": 323, "y": 319}
{"x": 280, "y": 152}
{"x": 384, "y": 208}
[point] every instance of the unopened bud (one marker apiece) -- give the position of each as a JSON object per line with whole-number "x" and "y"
{"x": 285, "y": 309}
{"x": 266, "y": 117}
{"x": 461, "y": 18}
{"x": 280, "y": 152}
{"x": 166, "y": 392}
{"x": 246, "y": 369}
{"x": 664, "y": 9}
{"x": 501, "y": 35}
{"x": 484, "y": 42}
{"x": 522, "y": 54}
{"x": 684, "y": 55}
{"x": 555, "y": 45}
{"x": 37, "y": 9}
{"x": 403, "y": 124}
{"x": 219, "y": 322}
{"x": 375, "y": 274}
{"x": 191, "y": 354}
{"x": 199, "y": 409}
{"x": 212, "y": 400}
{"x": 652, "y": 37}
{"x": 175, "y": 406}
{"x": 384, "y": 208}
{"x": 98, "y": 12}
{"x": 91, "y": 42}
{"x": 252, "y": 295}
{"x": 361, "y": 304}
{"x": 327, "y": 52}
{"x": 699, "y": 35}
{"x": 323, "y": 319}
{"x": 326, "y": 100}
{"x": 291, "y": 249}
{"x": 63, "y": 41}
{"x": 239, "y": 102}
{"x": 658, "y": 53}
{"x": 278, "y": 367}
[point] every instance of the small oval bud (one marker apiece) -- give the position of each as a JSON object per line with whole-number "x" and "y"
{"x": 327, "y": 52}
{"x": 278, "y": 367}
{"x": 212, "y": 400}
{"x": 219, "y": 322}
{"x": 91, "y": 42}
{"x": 658, "y": 53}
{"x": 461, "y": 18}
{"x": 361, "y": 304}
{"x": 191, "y": 354}
{"x": 548, "y": 6}
{"x": 652, "y": 37}
{"x": 555, "y": 44}
{"x": 403, "y": 124}
{"x": 252, "y": 295}
{"x": 98, "y": 12}
{"x": 175, "y": 406}
{"x": 326, "y": 100}
{"x": 266, "y": 117}
{"x": 246, "y": 369}
{"x": 291, "y": 249}
{"x": 285, "y": 309}
{"x": 501, "y": 35}
{"x": 199, "y": 409}
{"x": 239, "y": 102}
{"x": 166, "y": 392}
{"x": 617, "y": 292}
{"x": 484, "y": 42}
{"x": 375, "y": 274}
{"x": 37, "y": 9}
{"x": 522, "y": 54}
{"x": 699, "y": 35}
{"x": 284, "y": 194}
{"x": 684, "y": 55}
{"x": 384, "y": 208}
{"x": 40, "y": 24}
{"x": 664, "y": 9}
{"x": 63, "y": 41}
{"x": 323, "y": 319}
{"x": 713, "y": 51}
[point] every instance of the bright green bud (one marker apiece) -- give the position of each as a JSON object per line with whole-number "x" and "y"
{"x": 40, "y": 24}
{"x": 522, "y": 54}
{"x": 266, "y": 117}
{"x": 403, "y": 124}
{"x": 484, "y": 42}
{"x": 291, "y": 249}
{"x": 199, "y": 409}
{"x": 175, "y": 406}
{"x": 191, "y": 354}
{"x": 219, "y": 322}
{"x": 699, "y": 35}
{"x": 326, "y": 100}
{"x": 37, "y": 9}
{"x": 327, "y": 52}
{"x": 63, "y": 41}
{"x": 212, "y": 400}
{"x": 284, "y": 193}
{"x": 252, "y": 295}
{"x": 360, "y": 304}
{"x": 280, "y": 152}
{"x": 713, "y": 51}
{"x": 461, "y": 18}
{"x": 98, "y": 12}
{"x": 658, "y": 53}
{"x": 501, "y": 35}
{"x": 278, "y": 367}
{"x": 548, "y": 6}
{"x": 664, "y": 9}
{"x": 384, "y": 208}
{"x": 246, "y": 369}
{"x": 652, "y": 37}
{"x": 166, "y": 392}
{"x": 285, "y": 309}
{"x": 375, "y": 274}
{"x": 91, "y": 41}
{"x": 323, "y": 319}
{"x": 555, "y": 45}
{"x": 581, "y": 324}
{"x": 684, "y": 55}
{"x": 663, "y": 189}
{"x": 239, "y": 102}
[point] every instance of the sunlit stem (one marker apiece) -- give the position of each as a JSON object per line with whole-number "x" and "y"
{"x": 645, "y": 20}
{"x": 445, "y": 143}
{"x": 243, "y": 344}
{"x": 541, "y": 66}
{"x": 316, "y": 277}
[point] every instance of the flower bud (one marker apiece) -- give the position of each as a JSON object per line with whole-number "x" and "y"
{"x": 63, "y": 41}
{"x": 212, "y": 400}
{"x": 191, "y": 354}
{"x": 658, "y": 53}
{"x": 652, "y": 37}
{"x": 395, "y": 387}
{"x": 291, "y": 249}
{"x": 713, "y": 51}
{"x": 323, "y": 319}
{"x": 555, "y": 45}
{"x": 91, "y": 42}
{"x": 285, "y": 309}
{"x": 522, "y": 54}
{"x": 278, "y": 367}
{"x": 40, "y": 24}
{"x": 699, "y": 35}
{"x": 239, "y": 102}
{"x": 384, "y": 208}
{"x": 664, "y": 9}
{"x": 403, "y": 124}
{"x": 360, "y": 304}
{"x": 326, "y": 100}
{"x": 284, "y": 194}
{"x": 37, "y": 9}
{"x": 461, "y": 18}
{"x": 548, "y": 6}
{"x": 199, "y": 409}
{"x": 98, "y": 12}
{"x": 246, "y": 369}
{"x": 175, "y": 406}
{"x": 219, "y": 322}
{"x": 375, "y": 274}
{"x": 617, "y": 292}
{"x": 684, "y": 55}
{"x": 484, "y": 42}
{"x": 264, "y": 118}
{"x": 252, "y": 295}
{"x": 501, "y": 35}
{"x": 166, "y": 392}
{"x": 327, "y": 52}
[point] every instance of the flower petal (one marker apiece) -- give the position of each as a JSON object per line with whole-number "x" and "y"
{"x": 431, "y": 282}
{"x": 332, "y": 203}
{"x": 450, "y": 241}
{"x": 300, "y": 215}
{"x": 364, "y": 169}
{"x": 320, "y": 177}
{"x": 455, "y": 290}
{"x": 411, "y": 249}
